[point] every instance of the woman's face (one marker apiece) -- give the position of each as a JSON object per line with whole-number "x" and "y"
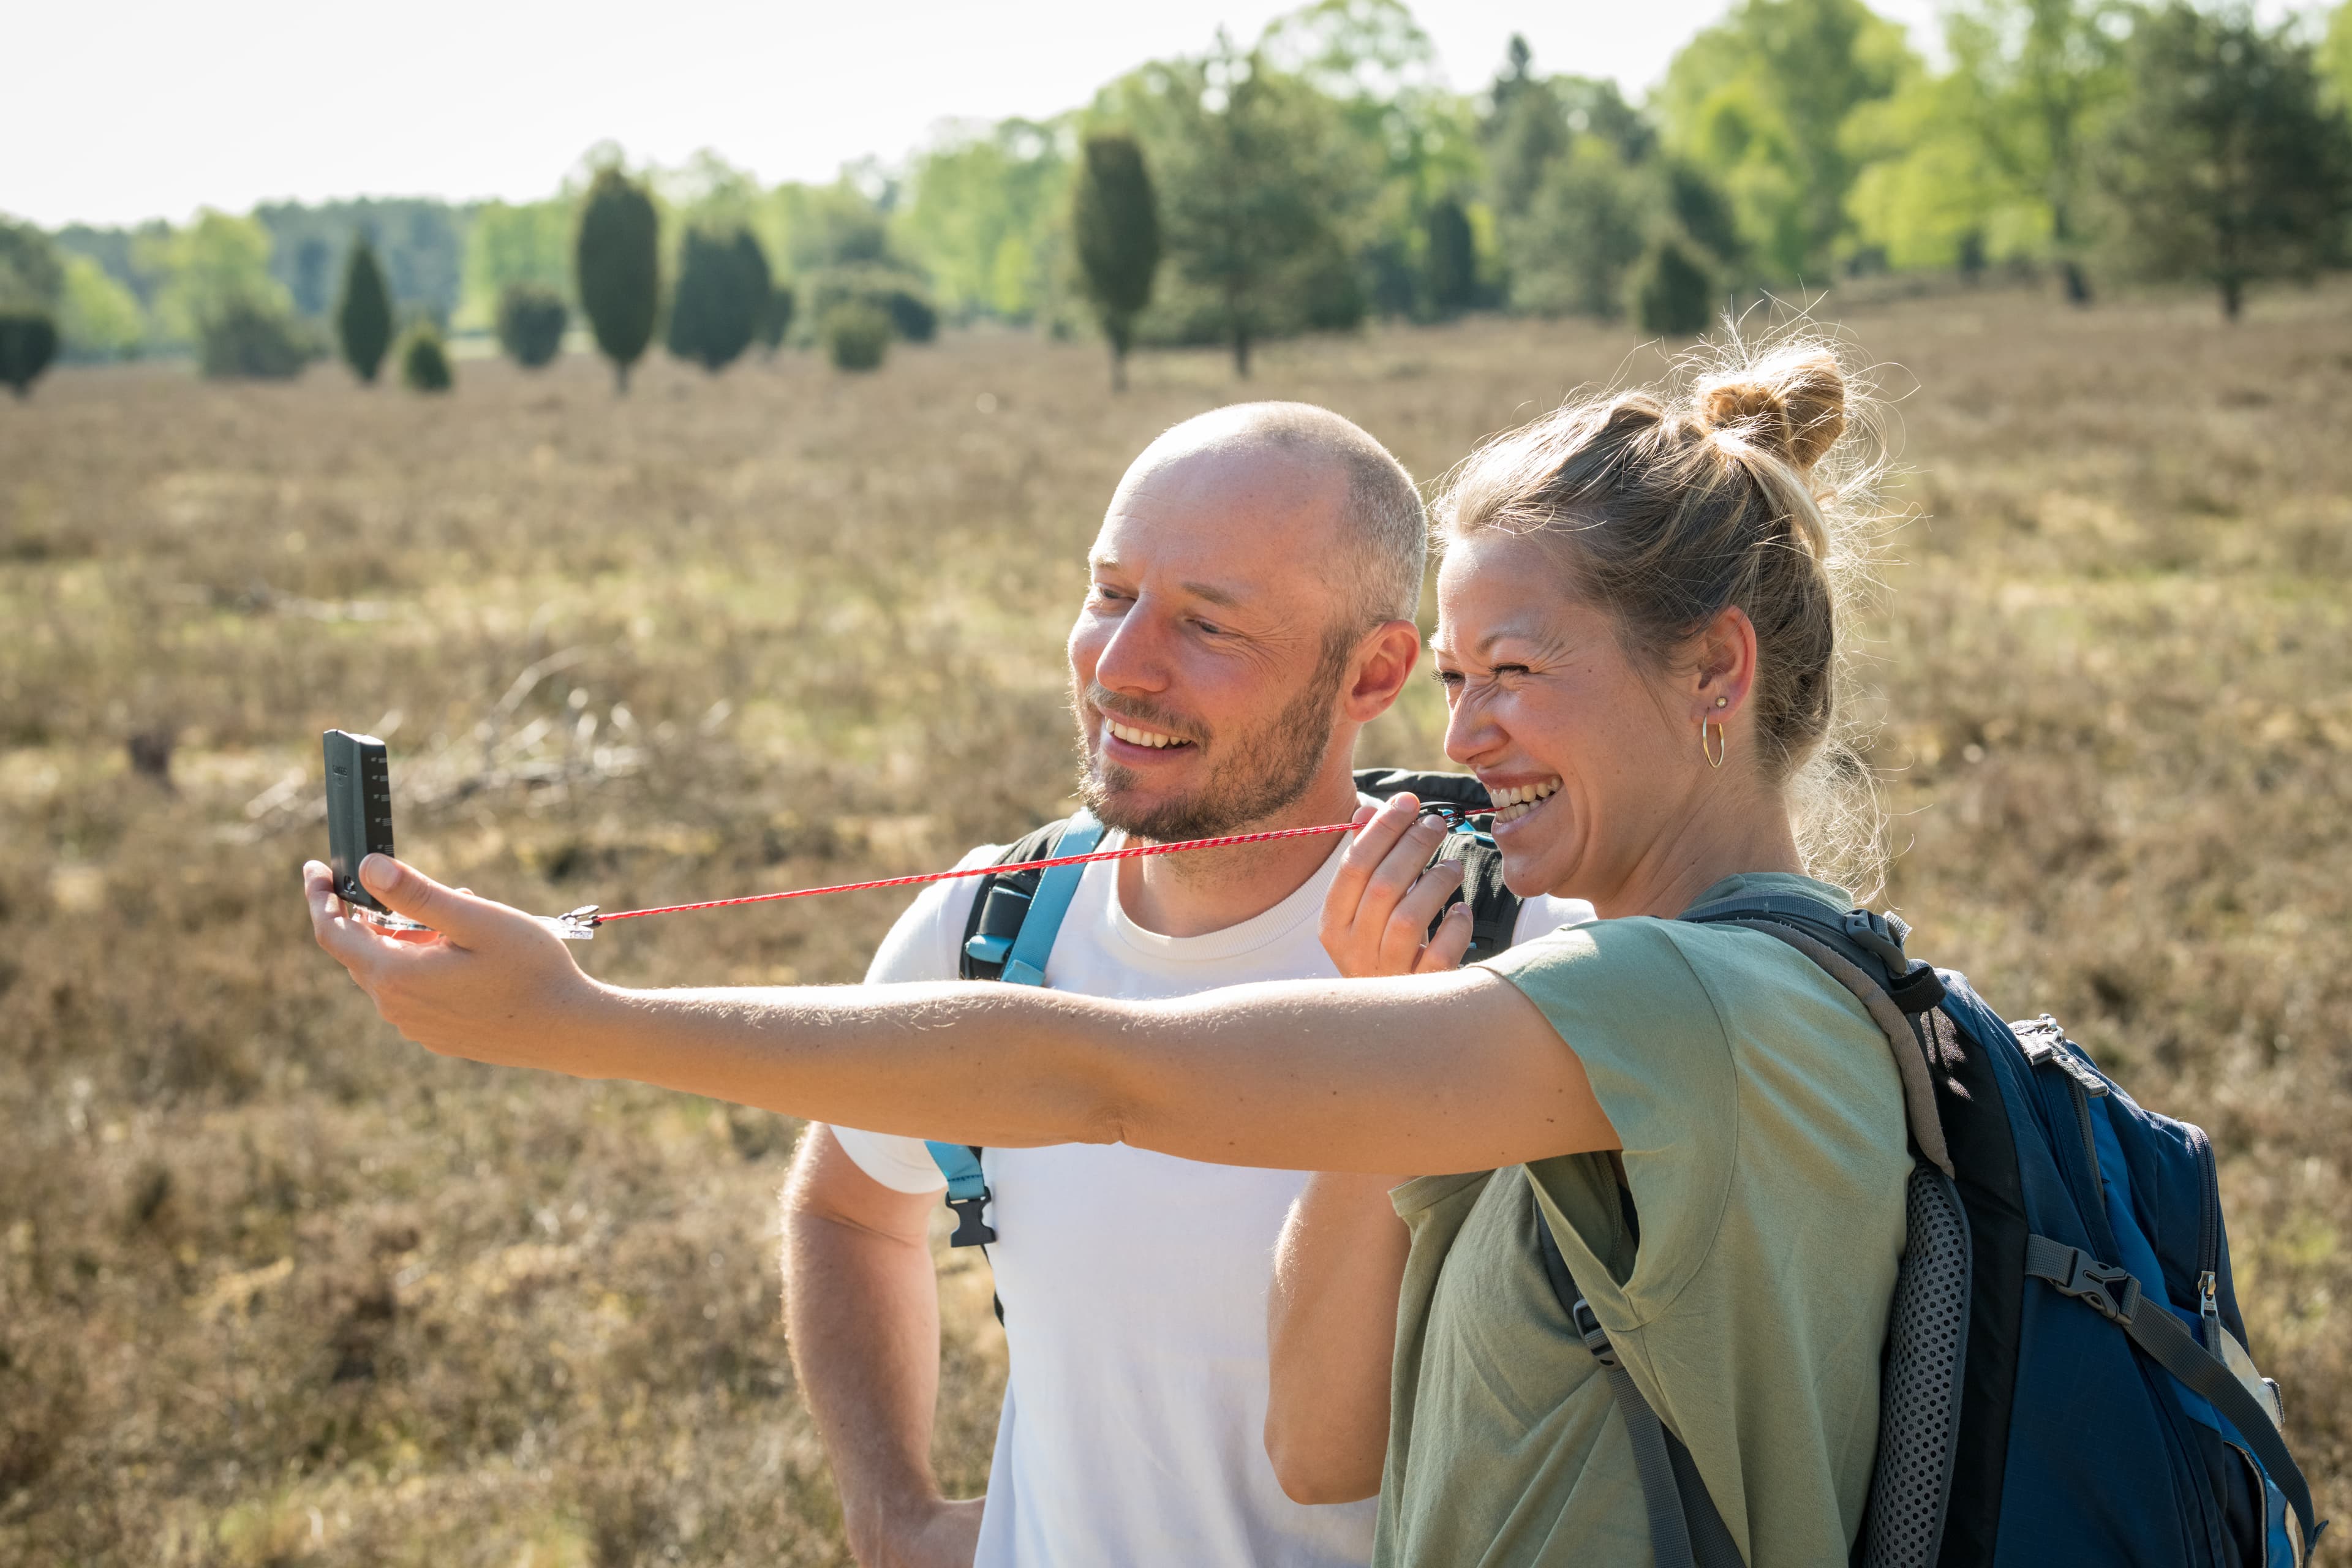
{"x": 1590, "y": 763}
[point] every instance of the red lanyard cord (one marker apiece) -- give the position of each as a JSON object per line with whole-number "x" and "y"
{"x": 1129, "y": 852}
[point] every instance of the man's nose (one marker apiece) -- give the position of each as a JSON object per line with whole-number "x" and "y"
{"x": 1135, "y": 658}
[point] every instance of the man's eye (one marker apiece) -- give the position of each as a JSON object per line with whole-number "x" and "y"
{"x": 1449, "y": 677}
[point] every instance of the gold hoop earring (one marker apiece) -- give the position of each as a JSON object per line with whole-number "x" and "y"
{"x": 1722, "y": 744}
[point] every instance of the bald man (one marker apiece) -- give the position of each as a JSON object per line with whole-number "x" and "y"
{"x": 1251, "y": 608}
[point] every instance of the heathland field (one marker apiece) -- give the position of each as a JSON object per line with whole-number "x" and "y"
{"x": 276, "y": 1288}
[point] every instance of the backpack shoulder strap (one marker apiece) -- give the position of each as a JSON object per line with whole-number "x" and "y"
{"x": 1685, "y": 1531}
{"x": 1007, "y": 936}
{"x": 1494, "y": 908}
{"x": 1862, "y": 950}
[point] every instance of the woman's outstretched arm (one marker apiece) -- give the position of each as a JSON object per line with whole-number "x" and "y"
{"x": 1422, "y": 1073}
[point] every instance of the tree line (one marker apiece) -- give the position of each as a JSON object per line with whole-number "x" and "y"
{"x": 1325, "y": 173}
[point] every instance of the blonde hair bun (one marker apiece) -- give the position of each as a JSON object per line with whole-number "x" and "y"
{"x": 1792, "y": 403}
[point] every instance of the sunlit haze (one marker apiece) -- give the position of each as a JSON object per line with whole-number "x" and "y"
{"x": 144, "y": 110}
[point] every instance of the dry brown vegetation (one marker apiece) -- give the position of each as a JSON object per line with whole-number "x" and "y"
{"x": 275, "y": 1288}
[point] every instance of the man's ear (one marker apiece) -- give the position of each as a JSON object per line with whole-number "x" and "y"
{"x": 1383, "y": 663}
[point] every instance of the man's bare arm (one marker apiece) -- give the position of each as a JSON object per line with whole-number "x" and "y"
{"x": 862, "y": 1312}
{"x": 1427, "y": 1072}
{"x": 1331, "y": 1338}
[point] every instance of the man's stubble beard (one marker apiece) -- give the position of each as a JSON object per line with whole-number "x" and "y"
{"x": 1262, "y": 772}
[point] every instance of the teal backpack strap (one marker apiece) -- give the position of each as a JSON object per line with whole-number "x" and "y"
{"x": 1009, "y": 937}
{"x": 967, "y": 1192}
{"x": 1026, "y": 964}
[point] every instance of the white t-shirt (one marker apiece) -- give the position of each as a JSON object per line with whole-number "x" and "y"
{"x": 1134, "y": 1283}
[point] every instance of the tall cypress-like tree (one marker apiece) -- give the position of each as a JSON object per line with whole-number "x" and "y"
{"x": 1116, "y": 217}
{"x": 363, "y": 315}
{"x": 28, "y": 340}
{"x": 1452, "y": 259}
{"x": 618, "y": 262}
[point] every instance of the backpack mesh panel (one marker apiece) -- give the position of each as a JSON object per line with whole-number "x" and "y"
{"x": 1919, "y": 1397}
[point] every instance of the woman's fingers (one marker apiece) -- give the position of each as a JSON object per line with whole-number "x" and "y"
{"x": 1379, "y": 905}
{"x": 1444, "y": 951}
{"x": 1409, "y": 917}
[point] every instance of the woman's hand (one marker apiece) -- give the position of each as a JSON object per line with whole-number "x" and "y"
{"x": 1376, "y": 917}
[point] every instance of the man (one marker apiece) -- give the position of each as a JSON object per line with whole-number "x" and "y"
{"x": 1253, "y": 591}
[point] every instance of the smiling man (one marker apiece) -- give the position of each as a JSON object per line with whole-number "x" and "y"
{"x": 1251, "y": 610}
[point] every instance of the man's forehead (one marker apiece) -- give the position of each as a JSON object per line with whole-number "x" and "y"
{"x": 1231, "y": 502}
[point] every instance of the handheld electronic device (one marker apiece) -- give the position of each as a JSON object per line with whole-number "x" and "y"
{"x": 358, "y": 820}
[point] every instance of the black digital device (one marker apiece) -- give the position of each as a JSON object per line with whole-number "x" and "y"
{"x": 359, "y": 811}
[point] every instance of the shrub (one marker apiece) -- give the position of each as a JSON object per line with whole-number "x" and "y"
{"x": 243, "y": 339}
{"x": 722, "y": 296}
{"x": 532, "y": 319}
{"x": 1672, "y": 292}
{"x": 618, "y": 257}
{"x": 893, "y": 292}
{"x": 857, "y": 335}
{"x": 364, "y": 317}
{"x": 28, "y": 340}
{"x": 423, "y": 362}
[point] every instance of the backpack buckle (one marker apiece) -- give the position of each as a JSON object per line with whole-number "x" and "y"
{"x": 1596, "y": 1338}
{"x": 971, "y": 1229}
{"x": 2088, "y": 1281}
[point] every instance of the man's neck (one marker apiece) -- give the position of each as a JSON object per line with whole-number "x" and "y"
{"x": 1205, "y": 891}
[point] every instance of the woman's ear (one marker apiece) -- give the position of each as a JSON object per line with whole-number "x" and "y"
{"x": 1722, "y": 666}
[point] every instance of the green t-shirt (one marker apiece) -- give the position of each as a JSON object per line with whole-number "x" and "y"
{"x": 1764, "y": 1149}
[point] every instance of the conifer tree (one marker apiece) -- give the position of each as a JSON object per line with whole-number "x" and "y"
{"x": 1452, "y": 259}
{"x": 1117, "y": 220}
{"x": 723, "y": 290}
{"x": 1672, "y": 290}
{"x": 617, "y": 260}
{"x": 28, "y": 340}
{"x": 363, "y": 315}
{"x": 423, "y": 361}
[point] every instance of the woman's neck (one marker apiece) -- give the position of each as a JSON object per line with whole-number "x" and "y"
{"x": 1708, "y": 846}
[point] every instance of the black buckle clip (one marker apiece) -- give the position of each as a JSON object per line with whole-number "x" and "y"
{"x": 2087, "y": 1280}
{"x": 971, "y": 1229}
{"x": 1596, "y": 1338}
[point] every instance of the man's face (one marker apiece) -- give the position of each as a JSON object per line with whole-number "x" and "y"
{"x": 1206, "y": 664}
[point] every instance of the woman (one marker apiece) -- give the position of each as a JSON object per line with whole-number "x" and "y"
{"x": 1638, "y": 640}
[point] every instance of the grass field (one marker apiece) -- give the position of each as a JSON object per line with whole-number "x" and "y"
{"x": 275, "y": 1288}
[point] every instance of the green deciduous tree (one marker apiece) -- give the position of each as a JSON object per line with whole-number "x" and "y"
{"x": 28, "y": 342}
{"x": 723, "y": 287}
{"x": 983, "y": 217}
{"x": 215, "y": 267}
{"x": 532, "y": 319}
{"x": 510, "y": 243}
{"x": 1587, "y": 222}
{"x": 1256, "y": 187}
{"x": 248, "y": 340}
{"x": 364, "y": 313}
{"x": 1115, "y": 216}
{"x": 616, "y": 259}
{"x": 2227, "y": 165}
{"x": 1760, "y": 101}
{"x": 424, "y": 359}
{"x": 99, "y": 319}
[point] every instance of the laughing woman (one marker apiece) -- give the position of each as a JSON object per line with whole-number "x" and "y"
{"x": 1638, "y": 635}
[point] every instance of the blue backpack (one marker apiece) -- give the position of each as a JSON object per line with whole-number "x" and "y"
{"x": 2066, "y": 1372}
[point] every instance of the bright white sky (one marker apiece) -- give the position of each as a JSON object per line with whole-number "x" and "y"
{"x": 144, "y": 109}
